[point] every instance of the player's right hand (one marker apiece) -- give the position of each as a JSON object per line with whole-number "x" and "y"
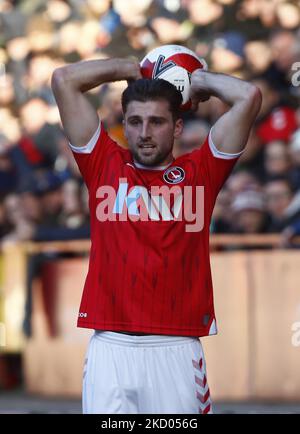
{"x": 134, "y": 71}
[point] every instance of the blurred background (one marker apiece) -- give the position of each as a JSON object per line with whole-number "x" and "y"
{"x": 255, "y": 252}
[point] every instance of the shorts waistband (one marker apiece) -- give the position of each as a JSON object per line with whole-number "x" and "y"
{"x": 147, "y": 340}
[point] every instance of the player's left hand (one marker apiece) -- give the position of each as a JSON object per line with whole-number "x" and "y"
{"x": 198, "y": 91}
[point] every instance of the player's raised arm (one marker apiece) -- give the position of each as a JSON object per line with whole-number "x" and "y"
{"x": 231, "y": 131}
{"x": 69, "y": 84}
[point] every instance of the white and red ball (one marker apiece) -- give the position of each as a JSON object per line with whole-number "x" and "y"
{"x": 173, "y": 63}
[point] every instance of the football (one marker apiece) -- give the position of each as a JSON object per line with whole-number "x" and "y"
{"x": 173, "y": 63}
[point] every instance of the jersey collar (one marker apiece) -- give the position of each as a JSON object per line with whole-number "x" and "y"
{"x": 143, "y": 167}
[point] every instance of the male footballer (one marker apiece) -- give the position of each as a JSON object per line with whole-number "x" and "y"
{"x": 148, "y": 292}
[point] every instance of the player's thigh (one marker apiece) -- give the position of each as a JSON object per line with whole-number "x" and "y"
{"x": 99, "y": 394}
{"x": 108, "y": 385}
{"x": 177, "y": 380}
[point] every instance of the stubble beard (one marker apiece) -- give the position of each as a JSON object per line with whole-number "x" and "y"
{"x": 155, "y": 158}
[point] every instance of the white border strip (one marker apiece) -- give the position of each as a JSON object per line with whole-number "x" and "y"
{"x": 218, "y": 154}
{"x": 88, "y": 148}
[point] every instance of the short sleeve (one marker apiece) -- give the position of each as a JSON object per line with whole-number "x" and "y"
{"x": 91, "y": 157}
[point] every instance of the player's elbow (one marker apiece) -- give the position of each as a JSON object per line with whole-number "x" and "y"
{"x": 254, "y": 97}
{"x": 59, "y": 79}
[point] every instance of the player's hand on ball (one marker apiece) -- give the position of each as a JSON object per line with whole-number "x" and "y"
{"x": 134, "y": 71}
{"x": 198, "y": 91}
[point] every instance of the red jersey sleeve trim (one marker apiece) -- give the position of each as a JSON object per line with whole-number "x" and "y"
{"x": 218, "y": 154}
{"x": 88, "y": 148}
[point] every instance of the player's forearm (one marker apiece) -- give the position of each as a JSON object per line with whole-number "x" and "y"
{"x": 229, "y": 89}
{"x": 83, "y": 76}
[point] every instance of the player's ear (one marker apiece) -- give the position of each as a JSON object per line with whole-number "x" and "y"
{"x": 178, "y": 128}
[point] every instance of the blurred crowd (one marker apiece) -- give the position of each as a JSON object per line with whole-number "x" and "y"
{"x": 42, "y": 196}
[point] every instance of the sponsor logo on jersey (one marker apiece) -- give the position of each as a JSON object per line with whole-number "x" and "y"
{"x": 174, "y": 175}
{"x": 163, "y": 203}
{"x": 82, "y": 315}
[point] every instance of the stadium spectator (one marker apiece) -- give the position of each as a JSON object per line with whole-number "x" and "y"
{"x": 241, "y": 181}
{"x": 249, "y": 213}
{"x": 258, "y": 57}
{"x": 255, "y": 39}
{"x": 222, "y": 213}
{"x": 277, "y": 120}
{"x": 39, "y": 141}
{"x": 228, "y": 53}
{"x": 281, "y": 204}
{"x": 277, "y": 160}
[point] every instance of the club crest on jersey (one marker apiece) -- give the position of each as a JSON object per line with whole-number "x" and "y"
{"x": 174, "y": 175}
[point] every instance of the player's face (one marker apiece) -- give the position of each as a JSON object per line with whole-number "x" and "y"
{"x": 150, "y": 131}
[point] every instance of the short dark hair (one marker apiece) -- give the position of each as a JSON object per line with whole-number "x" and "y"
{"x": 150, "y": 90}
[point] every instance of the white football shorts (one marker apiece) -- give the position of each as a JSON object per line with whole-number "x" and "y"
{"x": 126, "y": 374}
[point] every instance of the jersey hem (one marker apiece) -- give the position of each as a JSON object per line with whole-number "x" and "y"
{"x": 149, "y": 330}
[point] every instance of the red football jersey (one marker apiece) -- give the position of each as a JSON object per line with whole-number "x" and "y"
{"x": 149, "y": 268}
